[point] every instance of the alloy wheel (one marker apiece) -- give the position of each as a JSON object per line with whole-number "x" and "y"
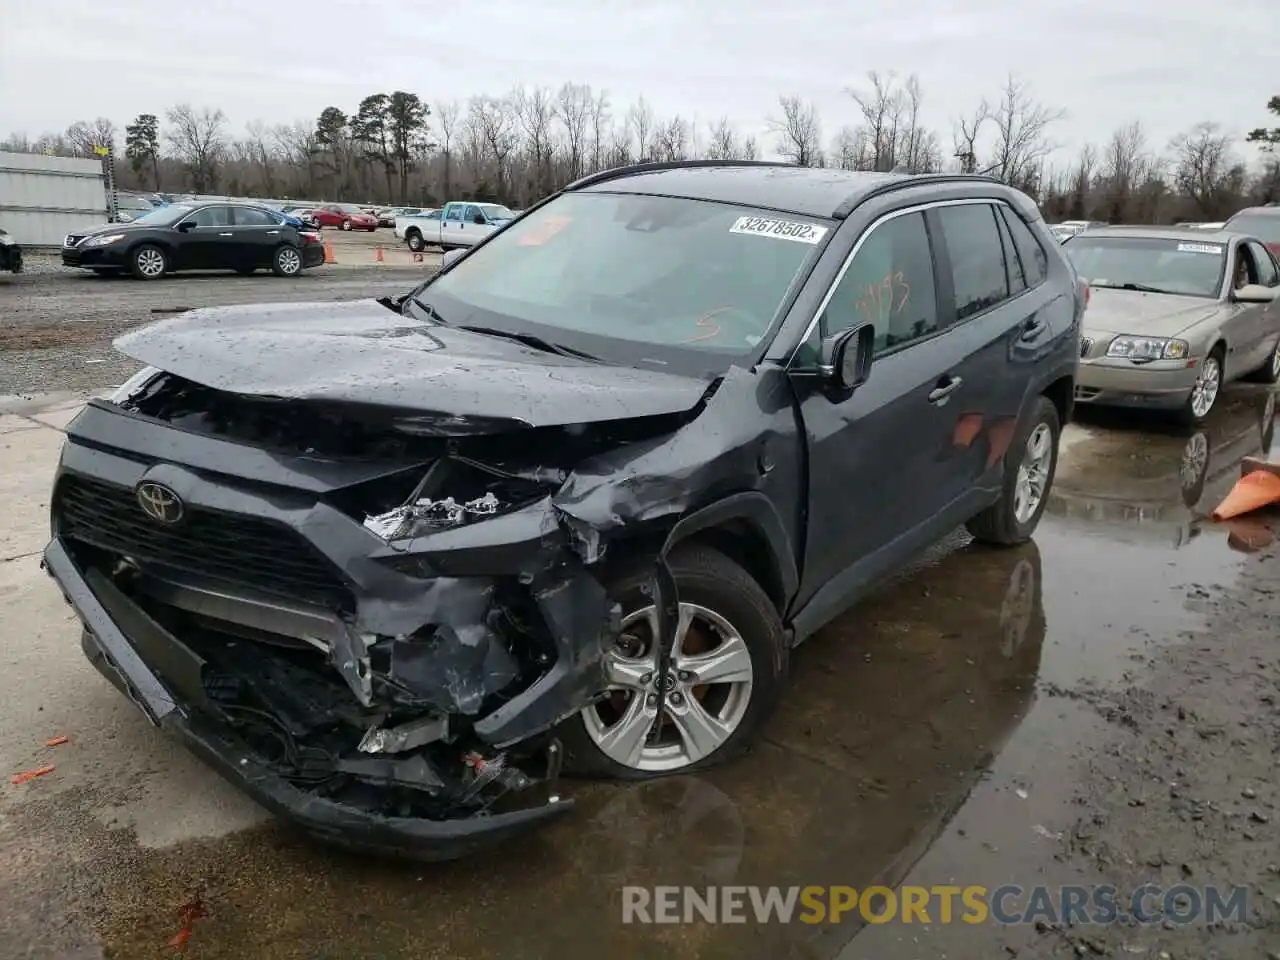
{"x": 707, "y": 691}
{"x": 150, "y": 262}
{"x": 1205, "y": 392}
{"x": 289, "y": 260}
{"x": 1033, "y": 473}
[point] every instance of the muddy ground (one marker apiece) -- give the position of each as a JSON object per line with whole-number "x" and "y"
{"x": 1100, "y": 706}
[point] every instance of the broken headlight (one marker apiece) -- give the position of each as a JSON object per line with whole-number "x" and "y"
{"x": 410, "y": 519}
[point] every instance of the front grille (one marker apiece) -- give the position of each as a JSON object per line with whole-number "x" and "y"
{"x": 233, "y": 548}
{"x": 1086, "y": 344}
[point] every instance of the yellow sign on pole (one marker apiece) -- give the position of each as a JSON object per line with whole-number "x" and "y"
{"x": 101, "y": 151}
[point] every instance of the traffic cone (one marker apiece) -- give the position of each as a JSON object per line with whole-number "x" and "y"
{"x": 328, "y": 253}
{"x": 1253, "y": 491}
{"x": 377, "y": 256}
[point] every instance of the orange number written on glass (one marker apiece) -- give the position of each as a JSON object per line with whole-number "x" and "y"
{"x": 883, "y": 299}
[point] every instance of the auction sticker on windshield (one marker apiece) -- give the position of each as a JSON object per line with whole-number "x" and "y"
{"x": 779, "y": 229}
{"x": 1212, "y": 248}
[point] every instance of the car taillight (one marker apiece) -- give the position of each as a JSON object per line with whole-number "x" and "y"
{"x": 310, "y": 238}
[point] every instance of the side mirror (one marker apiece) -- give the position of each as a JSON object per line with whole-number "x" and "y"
{"x": 186, "y": 226}
{"x": 479, "y": 218}
{"x": 449, "y": 257}
{"x": 1254, "y": 293}
{"x": 845, "y": 364}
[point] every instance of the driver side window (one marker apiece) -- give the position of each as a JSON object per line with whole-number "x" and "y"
{"x": 1268, "y": 275}
{"x": 890, "y": 284}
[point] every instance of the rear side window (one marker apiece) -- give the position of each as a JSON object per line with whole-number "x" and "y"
{"x": 1035, "y": 262}
{"x": 1012, "y": 262}
{"x": 890, "y": 284}
{"x": 252, "y": 217}
{"x": 977, "y": 257}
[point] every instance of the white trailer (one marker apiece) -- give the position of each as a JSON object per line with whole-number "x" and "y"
{"x": 42, "y": 199}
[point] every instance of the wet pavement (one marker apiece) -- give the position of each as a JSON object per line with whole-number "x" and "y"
{"x": 943, "y": 731}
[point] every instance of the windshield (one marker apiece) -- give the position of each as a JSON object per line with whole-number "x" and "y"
{"x": 1266, "y": 227}
{"x": 1193, "y": 268}
{"x": 163, "y": 216}
{"x": 635, "y": 278}
{"x": 496, "y": 211}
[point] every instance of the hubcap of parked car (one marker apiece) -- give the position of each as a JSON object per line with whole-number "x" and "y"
{"x": 1205, "y": 392}
{"x": 290, "y": 262}
{"x": 150, "y": 262}
{"x": 706, "y": 691}
{"x": 1033, "y": 473}
{"x": 1275, "y": 362}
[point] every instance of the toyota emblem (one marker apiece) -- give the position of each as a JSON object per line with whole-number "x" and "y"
{"x": 159, "y": 502}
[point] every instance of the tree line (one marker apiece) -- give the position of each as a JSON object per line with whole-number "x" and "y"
{"x": 398, "y": 148}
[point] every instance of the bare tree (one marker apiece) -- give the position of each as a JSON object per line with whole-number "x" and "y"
{"x": 198, "y": 139}
{"x": 850, "y": 150}
{"x": 600, "y": 119}
{"x": 493, "y": 126}
{"x": 1205, "y": 169}
{"x": 573, "y": 108}
{"x": 672, "y": 139}
{"x": 882, "y": 109}
{"x": 85, "y": 138}
{"x": 534, "y": 112}
{"x": 447, "y": 120}
{"x": 1021, "y": 135}
{"x": 799, "y": 132}
{"x": 1125, "y": 161}
{"x": 640, "y": 123}
{"x": 724, "y": 143}
{"x": 965, "y": 132}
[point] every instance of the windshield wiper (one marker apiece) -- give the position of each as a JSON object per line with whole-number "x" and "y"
{"x": 1140, "y": 287}
{"x": 426, "y": 308}
{"x": 529, "y": 340}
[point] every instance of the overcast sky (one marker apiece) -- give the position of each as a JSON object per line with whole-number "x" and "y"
{"x": 1171, "y": 63}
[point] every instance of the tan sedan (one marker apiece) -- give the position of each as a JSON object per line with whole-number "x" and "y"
{"x": 1173, "y": 315}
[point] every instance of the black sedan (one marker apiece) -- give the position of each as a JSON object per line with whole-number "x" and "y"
{"x": 196, "y": 236}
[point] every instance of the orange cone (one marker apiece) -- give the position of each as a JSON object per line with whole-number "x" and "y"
{"x": 377, "y": 256}
{"x": 1251, "y": 492}
{"x": 328, "y": 253}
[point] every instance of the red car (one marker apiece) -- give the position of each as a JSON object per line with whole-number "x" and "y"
{"x": 344, "y": 217}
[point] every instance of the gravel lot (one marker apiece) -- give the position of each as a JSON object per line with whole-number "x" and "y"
{"x": 57, "y": 324}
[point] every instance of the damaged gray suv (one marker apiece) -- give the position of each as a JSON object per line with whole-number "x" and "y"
{"x": 391, "y": 565}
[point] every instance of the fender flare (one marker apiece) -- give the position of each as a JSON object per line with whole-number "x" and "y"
{"x": 758, "y": 511}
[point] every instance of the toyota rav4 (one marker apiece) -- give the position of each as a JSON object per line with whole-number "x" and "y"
{"x": 389, "y": 565}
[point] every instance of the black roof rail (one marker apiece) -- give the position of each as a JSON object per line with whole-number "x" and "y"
{"x": 654, "y": 166}
{"x": 905, "y": 180}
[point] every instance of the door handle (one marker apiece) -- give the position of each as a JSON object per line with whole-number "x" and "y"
{"x": 272, "y": 233}
{"x": 1032, "y": 329}
{"x": 946, "y": 386}
{"x": 226, "y": 234}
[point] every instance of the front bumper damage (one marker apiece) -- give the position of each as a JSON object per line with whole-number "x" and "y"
{"x": 411, "y": 710}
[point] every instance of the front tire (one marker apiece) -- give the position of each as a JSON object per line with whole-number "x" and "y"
{"x": 1204, "y": 395}
{"x": 287, "y": 261}
{"x": 1269, "y": 372}
{"x": 148, "y": 262}
{"x": 1029, "y": 466}
{"x": 731, "y": 638}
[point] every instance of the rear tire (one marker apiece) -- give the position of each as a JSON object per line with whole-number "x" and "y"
{"x": 1028, "y": 478}
{"x": 709, "y": 581}
{"x": 287, "y": 261}
{"x": 346, "y": 224}
{"x": 148, "y": 262}
{"x": 414, "y": 239}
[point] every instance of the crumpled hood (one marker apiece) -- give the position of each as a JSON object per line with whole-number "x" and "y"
{"x": 1148, "y": 314}
{"x": 361, "y": 352}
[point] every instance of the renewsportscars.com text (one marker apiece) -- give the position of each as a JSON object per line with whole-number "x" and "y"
{"x": 1007, "y": 905}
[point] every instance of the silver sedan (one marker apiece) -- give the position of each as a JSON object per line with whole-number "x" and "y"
{"x": 1173, "y": 315}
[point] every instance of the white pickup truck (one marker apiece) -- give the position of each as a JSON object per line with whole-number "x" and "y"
{"x": 453, "y": 226}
